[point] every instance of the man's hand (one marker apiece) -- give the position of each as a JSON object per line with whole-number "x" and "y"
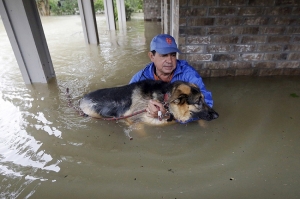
{"x": 154, "y": 107}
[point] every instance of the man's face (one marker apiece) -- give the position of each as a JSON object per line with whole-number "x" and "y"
{"x": 165, "y": 64}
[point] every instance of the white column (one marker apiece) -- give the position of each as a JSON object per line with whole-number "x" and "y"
{"x": 88, "y": 20}
{"x": 166, "y": 17}
{"x": 25, "y": 32}
{"x": 109, "y": 13}
{"x": 171, "y": 17}
{"x": 174, "y": 15}
{"x": 162, "y": 15}
{"x": 121, "y": 14}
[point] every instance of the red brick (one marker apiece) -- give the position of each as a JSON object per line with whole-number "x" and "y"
{"x": 284, "y": 21}
{"x": 231, "y": 21}
{"x": 279, "y": 39}
{"x": 230, "y": 72}
{"x": 287, "y": 2}
{"x": 232, "y": 2}
{"x": 183, "y": 22}
{"x": 202, "y": 2}
{"x": 244, "y": 48}
{"x": 199, "y": 57}
{"x": 269, "y": 47}
{"x": 291, "y": 71}
{"x": 252, "y": 56}
{"x": 216, "y": 65}
{"x": 239, "y": 65}
{"x": 245, "y": 72}
{"x": 293, "y": 30}
{"x": 246, "y": 30}
{"x": 192, "y": 49}
{"x": 200, "y": 21}
{"x": 182, "y": 56}
{"x": 218, "y": 48}
{"x": 219, "y": 30}
{"x": 270, "y": 72}
{"x": 272, "y": 30}
{"x": 181, "y": 40}
{"x": 296, "y": 11}
{"x": 296, "y": 39}
{"x": 225, "y": 39}
{"x": 279, "y": 11}
{"x": 222, "y": 73}
{"x": 183, "y": 3}
{"x": 204, "y": 73}
{"x": 294, "y": 56}
{"x": 289, "y": 64}
{"x": 222, "y": 11}
{"x": 275, "y": 56}
{"x": 265, "y": 65}
{"x": 253, "y": 39}
{"x": 261, "y": 2}
{"x": 192, "y": 31}
{"x": 225, "y": 57}
{"x": 182, "y": 31}
{"x": 256, "y": 20}
{"x": 198, "y": 40}
{"x": 197, "y": 65}
{"x": 250, "y": 11}
{"x": 292, "y": 47}
{"x": 187, "y": 12}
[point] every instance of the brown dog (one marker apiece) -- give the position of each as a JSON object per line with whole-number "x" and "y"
{"x": 184, "y": 102}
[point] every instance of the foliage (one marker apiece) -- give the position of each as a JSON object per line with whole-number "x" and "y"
{"x": 43, "y": 7}
{"x": 135, "y": 4}
{"x": 66, "y": 7}
{"x": 128, "y": 10}
{"x": 69, "y": 7}
{"x": 98, "y": 5}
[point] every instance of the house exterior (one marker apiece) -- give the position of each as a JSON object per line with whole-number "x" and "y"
{"x": 233, "y": 37}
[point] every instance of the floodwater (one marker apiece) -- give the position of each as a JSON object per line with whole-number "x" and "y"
{"x": 48, "y": 151}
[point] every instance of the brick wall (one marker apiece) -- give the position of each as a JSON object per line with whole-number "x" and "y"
{"x": 240, "y": 37}
{"x": 152, "y": 10}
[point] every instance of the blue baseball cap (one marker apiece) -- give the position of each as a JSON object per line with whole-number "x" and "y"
{"x": 164, "y": 44}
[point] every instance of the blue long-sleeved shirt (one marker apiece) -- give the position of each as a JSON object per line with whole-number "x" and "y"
{"x": 183, "y": 72}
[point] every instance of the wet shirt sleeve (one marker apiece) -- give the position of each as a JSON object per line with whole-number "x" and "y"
{"x": 143, "y": 74}
{"x": 136, "y": 77}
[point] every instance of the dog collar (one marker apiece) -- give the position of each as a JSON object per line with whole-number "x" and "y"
{"x": 184, "y": 122}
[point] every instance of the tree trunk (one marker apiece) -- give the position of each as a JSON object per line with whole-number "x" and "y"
{"x": 43, "y": 7}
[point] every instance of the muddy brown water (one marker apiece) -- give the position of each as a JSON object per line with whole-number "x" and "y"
{"x": 48, "y": 151}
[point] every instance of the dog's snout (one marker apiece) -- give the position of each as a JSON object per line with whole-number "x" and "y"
{"x": 214, "y": 115}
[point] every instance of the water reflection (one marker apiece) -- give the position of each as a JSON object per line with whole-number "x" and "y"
{"x": 31, "y": 122}
{"x": 47, "y": 149}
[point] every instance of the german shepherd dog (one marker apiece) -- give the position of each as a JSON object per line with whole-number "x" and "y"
{"x": 184, "y": 102}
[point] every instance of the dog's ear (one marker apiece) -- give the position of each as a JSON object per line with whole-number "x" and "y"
{"x": 194, "y": 85}
{"x": 180, "y": 91}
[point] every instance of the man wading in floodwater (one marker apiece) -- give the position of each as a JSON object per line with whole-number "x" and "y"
{"x": 165, "y": 66}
